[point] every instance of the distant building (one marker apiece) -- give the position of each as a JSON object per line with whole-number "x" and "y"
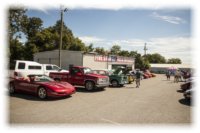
{"x": 161, "y": 68}
{"x": 79, "y": 58}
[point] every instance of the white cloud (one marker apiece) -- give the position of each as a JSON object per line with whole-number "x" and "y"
{"x": 170, "y": 19}
{"x": 90, "y": 39}
{"x": 169, "y": 47}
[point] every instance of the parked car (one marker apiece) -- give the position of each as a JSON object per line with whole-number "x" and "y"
{"x": 41, "y": 85}
{"x": 188, "y": 94}
{"x": 47, "y": 68}
{"x": 24, "y": 68}
{"x": 186, "y": 86}
{"x": 82, "y": 76}
{"x": 115, "y": 79}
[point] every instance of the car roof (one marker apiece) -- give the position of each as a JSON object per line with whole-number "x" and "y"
{"x": 29, "y": 62}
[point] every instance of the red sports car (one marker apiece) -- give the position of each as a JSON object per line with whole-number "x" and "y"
{"x": 42, "y": 86}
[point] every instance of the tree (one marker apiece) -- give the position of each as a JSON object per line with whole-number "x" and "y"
{"x": 174, "y": 61}
{"x": 31, "y": 26}
{"x": 16, "y": 18}
{"x": 115, "y": 49}
{"x": 124, "y": 53}
{"x": 100, "y": 50}
{"x": 155, "y": 58}
{"x": 31, "y": 48}
{"x": 77, "y": 45}
{"x": 89, "y": 48}
{"x": 140, "y": 62}
{"x": 16, "y": 48}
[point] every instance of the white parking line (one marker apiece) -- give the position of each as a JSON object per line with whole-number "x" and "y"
{"x": 115, "y": 123}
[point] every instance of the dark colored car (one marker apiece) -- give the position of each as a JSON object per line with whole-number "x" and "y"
{"x": 42, "y": 86}
{"x": 186, "y": 86}
{"x": 188, "y": 94}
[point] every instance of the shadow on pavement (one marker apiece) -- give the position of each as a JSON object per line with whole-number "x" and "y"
{"x": 186, "y": 102}
{"x": 79, "y": 89}
{"x": 35, "y": 98}
{"x": 180, "y": 91}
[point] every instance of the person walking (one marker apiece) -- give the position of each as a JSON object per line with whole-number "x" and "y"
{"x": 138, "y": 76}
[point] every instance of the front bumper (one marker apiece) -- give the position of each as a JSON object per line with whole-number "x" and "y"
{"x": 102, "y": 85}
{"x": 61, "y": 94}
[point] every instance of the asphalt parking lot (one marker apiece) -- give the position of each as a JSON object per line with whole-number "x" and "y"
{"x": 156, "y": 101}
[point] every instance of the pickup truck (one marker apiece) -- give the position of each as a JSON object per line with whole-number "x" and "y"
{"x": 24, "y": 68}
{"x": 116, "y": 77}
{"x": 82, "y": 76}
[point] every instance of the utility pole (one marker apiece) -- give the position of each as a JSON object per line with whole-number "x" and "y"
{"x": 61, "y": 30}
{"x": 145, "y": 49}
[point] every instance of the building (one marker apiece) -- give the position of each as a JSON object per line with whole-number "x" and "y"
{"x": 161, "y": 68}
{"x": 79, "y": 58}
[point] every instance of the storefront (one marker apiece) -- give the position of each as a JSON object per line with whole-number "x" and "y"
{"x": 80, "y": 58}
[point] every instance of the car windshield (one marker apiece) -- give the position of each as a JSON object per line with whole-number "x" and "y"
{"x": 42, "y": 78}
{"x": 87, "y": 70}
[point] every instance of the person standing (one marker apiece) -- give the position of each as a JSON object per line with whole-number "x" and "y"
{"x": 168, "y": 73}
{"x": 138, "y": 76}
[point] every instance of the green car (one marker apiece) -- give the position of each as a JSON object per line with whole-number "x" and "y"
{"x": 117, "y": 78}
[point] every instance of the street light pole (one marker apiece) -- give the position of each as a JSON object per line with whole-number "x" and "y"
{"x": 61, "y": 30}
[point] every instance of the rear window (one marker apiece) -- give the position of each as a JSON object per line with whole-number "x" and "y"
{"x": 34, "y": 67}
{"x": 21, "y": 65}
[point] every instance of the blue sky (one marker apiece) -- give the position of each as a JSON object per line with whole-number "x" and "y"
{"x": 166, "y": 31}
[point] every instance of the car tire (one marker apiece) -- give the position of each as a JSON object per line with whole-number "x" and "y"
{"x": 11, "y": 88}
{"x": 114, "y": 83}
{"x": 42, "y": 93}
{"x": 89, "y": 85}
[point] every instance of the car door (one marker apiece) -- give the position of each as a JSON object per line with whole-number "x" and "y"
{"x": 26, "y": 86}
{"x": 76, "y": 76}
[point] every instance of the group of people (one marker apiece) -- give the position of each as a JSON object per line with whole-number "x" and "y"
{"x": 178, "y": 75}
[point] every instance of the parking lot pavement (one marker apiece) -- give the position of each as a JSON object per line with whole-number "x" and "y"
{"x": 156, "y": 101}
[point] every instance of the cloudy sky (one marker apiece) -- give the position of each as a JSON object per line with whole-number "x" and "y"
{"x": 165, "y": 31}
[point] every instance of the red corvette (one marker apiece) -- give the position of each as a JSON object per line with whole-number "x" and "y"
{"x": 42, "y": 86}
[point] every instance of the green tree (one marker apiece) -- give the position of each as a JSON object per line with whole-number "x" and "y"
{"x": 77, "y": 45}
{"x": 16, "y": 17}
{"x": 155, "y": 58}
{"x": 31, "y": 48}
{"x": 89, "y": 48}
{"x": 100, "y": 50}
{"x": 174, "y": 61}
{"x": 115, "y": 50}
{"x": 31, "y": 26}
{"x": 124, "y": 53}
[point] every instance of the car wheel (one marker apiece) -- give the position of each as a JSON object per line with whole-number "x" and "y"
{"x": 89, "y": 85}
{"x": 42, "y": 93}
{"x": 11, "y": 88}
{"x": 114, "y": 83}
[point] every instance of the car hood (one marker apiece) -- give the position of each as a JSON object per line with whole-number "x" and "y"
{"x": 96, "y": 75}
{"x": 57, "y": 85}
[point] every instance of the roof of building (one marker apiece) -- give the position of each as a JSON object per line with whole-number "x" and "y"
{"x": 171, "y": 65}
